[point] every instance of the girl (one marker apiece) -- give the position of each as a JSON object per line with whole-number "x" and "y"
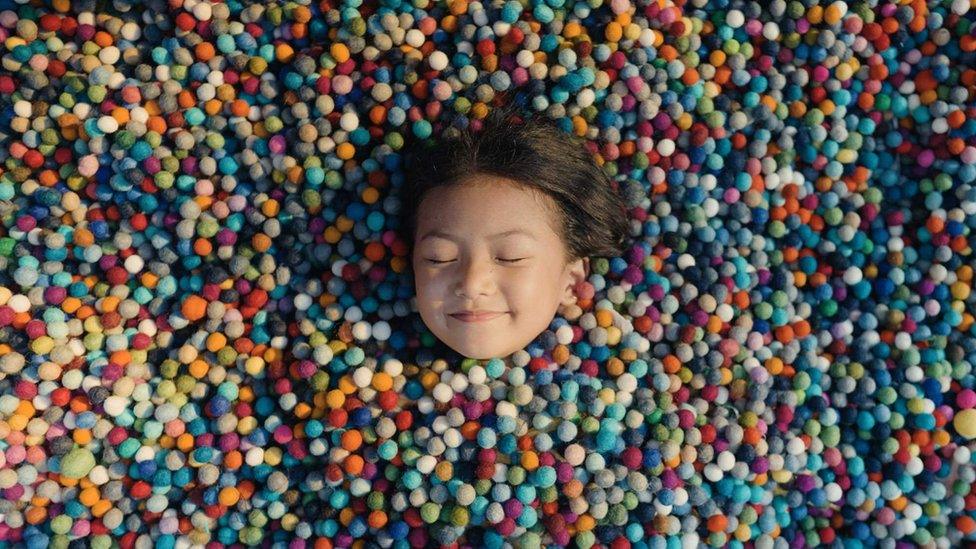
{"x": 502, "y": 223}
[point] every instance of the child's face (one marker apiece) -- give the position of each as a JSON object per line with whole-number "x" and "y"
{"x": 460, "y": 228}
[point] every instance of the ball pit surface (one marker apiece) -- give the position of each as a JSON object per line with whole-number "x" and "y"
{"x": 206, "y": 330}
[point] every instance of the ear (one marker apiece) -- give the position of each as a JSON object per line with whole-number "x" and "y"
{"x": 577, "y": 271}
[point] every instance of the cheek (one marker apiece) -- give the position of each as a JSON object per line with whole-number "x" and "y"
{"x": 430, "y": 289}
{"x": 533, "y": 290}
{"x": 422, "y": 284}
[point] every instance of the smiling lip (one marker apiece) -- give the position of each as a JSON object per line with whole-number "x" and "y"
{"x": 476, "y": 317}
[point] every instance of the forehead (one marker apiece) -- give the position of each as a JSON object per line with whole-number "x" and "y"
{"x": 486, "y": 206}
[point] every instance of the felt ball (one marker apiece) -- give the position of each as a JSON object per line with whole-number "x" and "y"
{"x": 77, "y": 463}
{"x": 965, "y": 423}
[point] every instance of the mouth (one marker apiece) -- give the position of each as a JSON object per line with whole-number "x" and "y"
{"x": 476, "y": 317}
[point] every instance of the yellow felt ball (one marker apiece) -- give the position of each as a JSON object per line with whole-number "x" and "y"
{"x": 965, "y": 423}
{"x": 960, "y": 290}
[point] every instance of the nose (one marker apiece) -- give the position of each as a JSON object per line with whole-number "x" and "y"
{"x": 475, "y": 278}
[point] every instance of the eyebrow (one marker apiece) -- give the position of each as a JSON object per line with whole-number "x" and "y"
{"x": 442, "y": 234}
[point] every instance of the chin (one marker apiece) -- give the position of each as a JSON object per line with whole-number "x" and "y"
{"x": 477, "y": 355}
{"x": 482, "y": 354}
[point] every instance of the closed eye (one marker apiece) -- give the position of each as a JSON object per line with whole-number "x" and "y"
{"x": 516, "y": 260}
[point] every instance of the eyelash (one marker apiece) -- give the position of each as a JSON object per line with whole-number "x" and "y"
{"x": 434, "y": 261}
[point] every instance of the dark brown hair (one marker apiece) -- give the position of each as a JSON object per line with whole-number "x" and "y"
{"x": 532, "y": 151}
